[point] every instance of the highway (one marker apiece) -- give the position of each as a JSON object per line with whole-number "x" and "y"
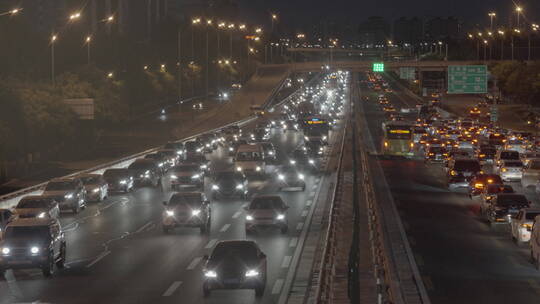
{"x": 117, "y": 252}
{"x": 461, "y": 259}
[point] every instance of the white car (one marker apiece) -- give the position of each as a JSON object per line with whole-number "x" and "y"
{"x": 511, "y": 170}
{"x": 521, "y": 225}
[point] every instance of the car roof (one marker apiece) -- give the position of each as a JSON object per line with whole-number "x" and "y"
{"x": 32, "y": 197}
{"x": 89, "y": 175}
{"x": 64, "y": 179}
{"x": 234, "y": 242}
{"x": 249, "y": 148}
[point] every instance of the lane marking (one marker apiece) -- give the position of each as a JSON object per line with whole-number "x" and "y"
{"x": 237, "y": 214}
{"x": 317, "y": 180}
{"x": 211, "y": 244}
{"x": 314, "y": 187}
{"x": 299, "y": 226}
{"x": 293, "y": 242}
{"x": 143, "y": 227}
{"x": 172, "y": 289}
{"x": 225, "y": 228}
{"x": 304, "y": 213}
{"x": 309, "y": 202}
{"x": 99, "y": 258}
{"x": 286, "y": 261}
{"x": 194, "y": 263}
{"x": 311, "y": 194}
{"x": 277, "y": 286}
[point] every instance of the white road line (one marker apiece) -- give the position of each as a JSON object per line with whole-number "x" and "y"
{"x": 237, "y": 214}
{"x": 304, "y": 213}
{"x": 309, "y": 202}
{"x": 225, "y": 228}
{"x": 314, "y": 187}
{"x": 244, "y": 205}
{"x": 317, "y": 180}
{"x": 143, "y": 227}
{"x": 194, "y": 263}
{"x": 211, "y": 244}
{"x": 299, "y": 226}
{"x": 293, "y": 242}
{"x": 286, "y": 261}
{"x": 172, "y": 289}
{"x": 277, "y": 286}
{"x": 312, "y": 194}
{"x": 100, "y": 256}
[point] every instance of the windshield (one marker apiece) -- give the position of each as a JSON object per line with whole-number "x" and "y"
{"x": 393, "y": 132}
{"x": 509, "y": 200}
{"x": 58, "y": 186}
{"x": 266, "y": 203}
{"x": 192, "y": 200}
{"x": 30, "y": 232}
{"x": 248, "y": 156}
{"x": 114, "y": 173}
{"x": 241, "y": 250}
{"x": 141, "y": 166}
{"x": 173, "y": 146}
{"x": 90, "y": 180}
{"x": 186, "y": 168}
{"x": 488, "y": 151}
{"x": 510, "y": 155}
{"x": 467, "y": 166}
{"x": 535, "y": 165}
{"x": 229, "y": 175}
{"x": 531, "y": 215}
{"x": 492, "y": 189}
{"x": 33, "y": 203}
{"x": 436, "y": 150}
{"x": 513, "y": 164}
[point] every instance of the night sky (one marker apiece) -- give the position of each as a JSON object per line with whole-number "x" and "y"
{"x": 298, "y": 13}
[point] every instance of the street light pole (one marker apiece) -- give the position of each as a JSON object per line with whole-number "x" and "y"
{"x": 88, "y": 42}
{"x": 208, "y": 24}
{"x": 179, "y": 56}
{"x": 53, "y": 39}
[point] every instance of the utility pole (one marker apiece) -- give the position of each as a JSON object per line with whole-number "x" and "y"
{"x": 179, "y": 55}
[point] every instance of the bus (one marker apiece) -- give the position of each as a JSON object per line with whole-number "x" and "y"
{"x": 398, "y": 139}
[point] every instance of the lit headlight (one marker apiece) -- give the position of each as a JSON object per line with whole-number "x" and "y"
{"x": 311, "y": 161}
{"x": 170, "y": 213}
{"x": 95, "y": 190}
{"x": 231, "y": 149}
{"x": 179, "y": 152}
{"x": 293, "y": 162}
{"x": 270, "y": 152}
{"x": 68, "y": 196}
{"x": 249, "y": 218}
{"x": 199, "y": 150}
{"x": 174, "y": 177}
{"x": 41, "y": 215}
{"x": 160, "y": 165}
{"x": 204, "y": 166}
{"x": 238, "y": 168}
{"x": 215, "y": 187}
{"x": 301, "y": 176}
{"x": 195, "y": 212}
{"x": 324, "y": 137}
{"x": 280, "y": 217}
{"x": 239, "y": 186}
{"x": 34, "y": 250}
{"x": 195, "y": 176}
{"x": 210, "y": 274}
{"x": 123, "y": 182}
{"x": 306, "y": 138}
{"x": 208, "y": 145}
{"x": 251, "y": 273}
{"x": 258, "y": 168}
{"x": 6, "y": 250}
{"x": 281, "y": 176}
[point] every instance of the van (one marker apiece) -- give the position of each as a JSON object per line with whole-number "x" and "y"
{"x": 257, "y": 110}
{"x": 249, "y": 159}
{"x": 503, "y": 155}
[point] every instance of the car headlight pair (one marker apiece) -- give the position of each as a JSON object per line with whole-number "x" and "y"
{"x": 174, "y": 176}
{"x": 270, "y": 152}
{"x": 281, "y": 176}
{"x": 280, "y": 217}
{"x": 169, "y": 213}
{"x": 252, "y": 273}
{"x": 293, "y": 162}
{"x": 123, "y": 182}
{"x": 210, "y": 274}
{"x": 311, "y": 161}
{"x": 195, "y": 212}
{"x": 6, "y": 250}
{"x": 249, "y": 218}
{"x": 68, "y": 196}
{"x": 34, "y": 250}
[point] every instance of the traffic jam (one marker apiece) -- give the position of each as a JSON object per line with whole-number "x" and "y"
{"x": 498, "y": 169}
{"x": 186, "y": 172}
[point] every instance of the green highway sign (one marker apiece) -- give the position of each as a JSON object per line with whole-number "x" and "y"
{"x": 467, "y": 79}
{"x": 378, "y": 67}
{"x": 407, "y": 73}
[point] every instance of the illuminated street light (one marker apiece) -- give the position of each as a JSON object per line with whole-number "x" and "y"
{"x": 491, "y": 16}
{"x": 53, "y": 39}
{"x": 110, "y": 18}
{"x": 242, "y": 27}
{"x": 88, "y": 41}
{"x": 519, "y": 10}
{"x": 145, "y": 67}
{"x": 12, "y": 12}
{"x": 110, "y": 75}
{"x": 74, "y": 16}
{"x": 258, "y": 30}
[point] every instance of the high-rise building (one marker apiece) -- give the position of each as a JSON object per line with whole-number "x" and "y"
{"x": 374, "y": 31}
{"x": 442, "y": 28}
{"x": 408, "y": 30}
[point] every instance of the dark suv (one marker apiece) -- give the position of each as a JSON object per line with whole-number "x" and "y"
{"x": 503, "y": 207}
{"x": 461, "y": 171}
{"x": 33, "y": 243}
{"x": 187, "y": 209}
{"x": 68, "y": 192}
{"x": 235, "y": 265}
{"x": 145, "y": 172}
{"x": 229, "y": 184}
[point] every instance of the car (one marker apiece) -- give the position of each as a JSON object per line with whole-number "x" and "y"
{"x": 480, "y": 181}
{"x": 515, "y": 144}
{"x": 461, "y": 171}
{"x": 435, "y": 154}
{"x": 503, "y": 206}
{"x": 187, "y": 209}
{"x": 270, "y": 153}
{"x": 314, "y": 148}
{"x": 229, "y": 184}
{"x": 259, "y": 135}
{"x": 37, "y": 206}
{"x": 96, "y": 187}
{"x": 119, "y": 180}
{"x": 68, "y": 192}
{"x": 249, "y": 159}
{"x": 290, "y": 125}
{"x": 233, "y": 147}
{"x": 531, "y": 173}
{"x": 503, "y": 155}
{"x": 6, "y": 216}
{"x": 170, "y": 156}
{"x": 521, "y": 225}
{"x": 235, "y": 264}
{"x": 488, "y": 193}
{"x": 33, "y": 243}
{"x": 301, "y": 159}
{"x": 486, "y": 154}
{"x": 266, "y": 211}
{"x": 186, "y": 176}
{"x": 161, "y": 161}
{"x": 510, "y": 170}
{"x": 176, "y": 146}
{"x": 288, "y": 177}
{"x": 209, "y": 142}
{"x": 197, "y": 159}
{"x": 496, "y": 139}
{"x": 145, "y": 172}
{"x": 193, "y": 146}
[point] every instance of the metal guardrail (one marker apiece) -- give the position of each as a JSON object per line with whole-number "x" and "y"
{"x": 8, "y": 200}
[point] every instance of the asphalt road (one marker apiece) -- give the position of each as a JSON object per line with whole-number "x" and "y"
{"x": 117, "y": 252}
{"x": 461, "y": 259}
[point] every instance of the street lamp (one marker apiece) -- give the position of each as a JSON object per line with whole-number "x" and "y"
{"x": 110, "y": 75}
{"x": 491, "y": 16}
{"x": 519, "y": 9}
{"x": 517, "y": 31}
{"x": 501, "y": 32}
{"x": 194, "y": 22}
{"x": 88, "y": 41}
{"x": 273, "y": 18}
{"x": 54, "y": 37}
{"x": 12, "y": 12}
{"x": 208, "y": 24}
{"x": 74, "y": 16}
